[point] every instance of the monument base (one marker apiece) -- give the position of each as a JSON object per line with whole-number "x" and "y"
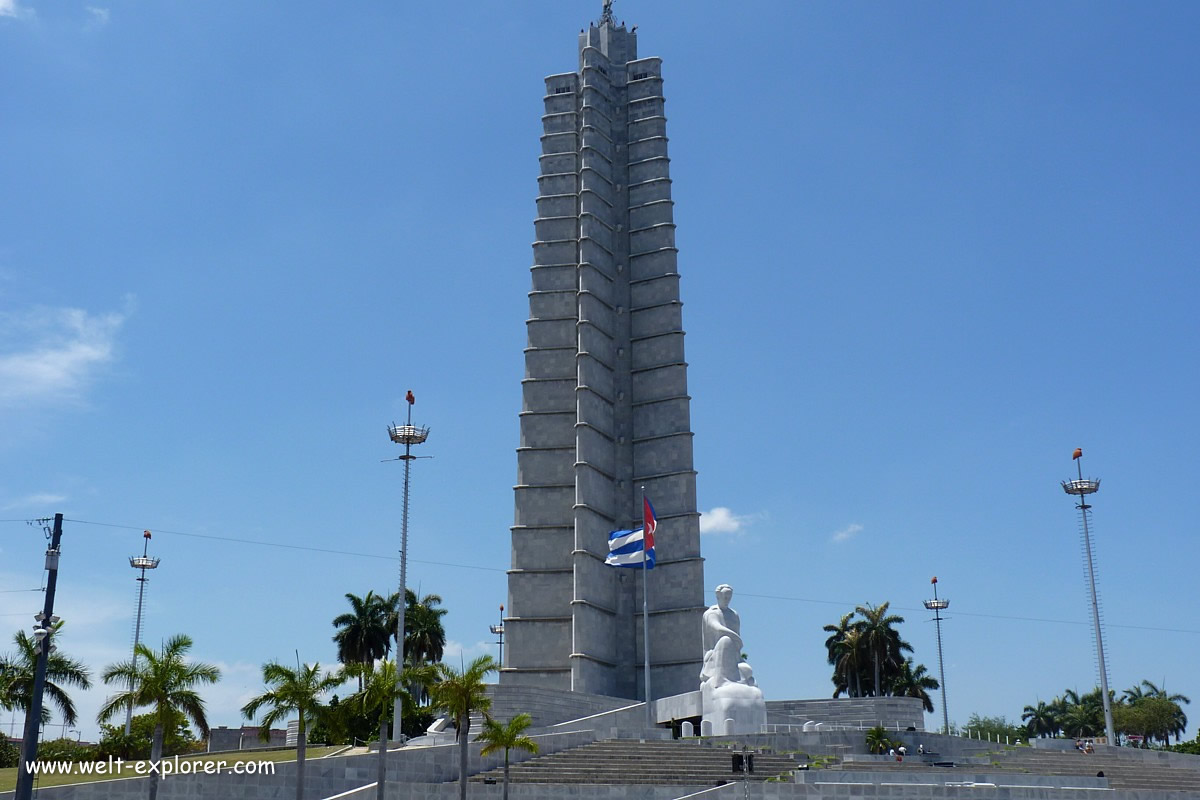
{"x": 732, "y": 708}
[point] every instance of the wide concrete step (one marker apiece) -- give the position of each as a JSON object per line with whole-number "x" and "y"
{"x": 1124, "y": 775}
{"x": 631, "y": 762}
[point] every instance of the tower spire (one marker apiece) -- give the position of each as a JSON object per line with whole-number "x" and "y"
{"x": 606, "y": 15}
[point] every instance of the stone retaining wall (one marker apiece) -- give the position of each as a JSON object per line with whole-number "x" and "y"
{"x": 868, "y": 712}
{"x": 548, "y": 706}
{"x": 324, "y": 777}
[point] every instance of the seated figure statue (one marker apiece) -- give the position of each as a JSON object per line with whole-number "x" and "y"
{"x": 727, "y": 688}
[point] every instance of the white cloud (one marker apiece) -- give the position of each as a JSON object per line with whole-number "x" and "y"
{"x": 52, "y": 354}
{"x": 96, "y": 632}
{"x": 11, "y": 8}
{"x": 240, "y": 682}
{"x": 722, "y": 520}
{"x": 847, "y": 533}
{"x": 35, "y": 501}
{"x": 456, "y": 654}
{"x": 98, "y": 19}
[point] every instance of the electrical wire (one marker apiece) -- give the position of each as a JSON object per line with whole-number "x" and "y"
{"x": 841, "y": 603}
{"x": 262, "y": 543}
{"x": 844, "y": 604}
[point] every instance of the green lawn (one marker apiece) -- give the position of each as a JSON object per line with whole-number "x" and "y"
{"x": 8, "y": 777}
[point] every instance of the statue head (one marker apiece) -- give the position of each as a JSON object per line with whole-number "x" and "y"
{"x": 724, "y": 595}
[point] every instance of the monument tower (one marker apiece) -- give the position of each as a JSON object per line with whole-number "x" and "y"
{"x": 605, "y": 409}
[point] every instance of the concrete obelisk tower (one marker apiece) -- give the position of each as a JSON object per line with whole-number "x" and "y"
{"x": 605, "y": 404}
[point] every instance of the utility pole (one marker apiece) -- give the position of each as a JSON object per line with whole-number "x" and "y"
{"x": 143, "y": 563}
{"x": 1081, "y": 488}
{"x": 407, "y": 435}
{"x": 498, "y": 630}
{"x": 937, "y": 606}
{"x": 43, "y": 646}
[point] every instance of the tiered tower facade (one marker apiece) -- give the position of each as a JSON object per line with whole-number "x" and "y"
{"x": 605, "y": 407}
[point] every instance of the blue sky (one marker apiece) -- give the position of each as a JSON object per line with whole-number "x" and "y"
{"x": 927, "y": 250}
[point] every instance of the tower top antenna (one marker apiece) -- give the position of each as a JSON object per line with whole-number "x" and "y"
{"x": 606, "y": 15}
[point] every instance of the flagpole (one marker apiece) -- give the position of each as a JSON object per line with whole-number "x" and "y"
{"x": 645, "y": 620}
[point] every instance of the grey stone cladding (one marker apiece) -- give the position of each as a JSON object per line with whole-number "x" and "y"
{"x": 605, "y": 408}
{"x": 866, "y": 712}
{"x": 549, "y": 706}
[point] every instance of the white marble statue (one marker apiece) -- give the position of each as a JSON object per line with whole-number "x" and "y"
{"x": 731, "y": 701}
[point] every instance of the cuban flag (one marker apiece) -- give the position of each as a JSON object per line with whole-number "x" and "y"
{"x": 625, "y": 547}
{"x": 649, "y": 522}
{"x": 625, "y": 550}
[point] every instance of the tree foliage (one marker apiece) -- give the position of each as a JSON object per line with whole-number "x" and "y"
{"x": 178, "y": 738}
{"x": 869, "y": 657}
{"x": 10, "y": 754}
{"x": 162, "y": 680}
{"x": 165, "y": 681}
{"x": 878, "y": 741}
{"x": 1192, "y": 747}
{"x": 499, "y": 737}
{"x": 289, "y": 691}
{"x": 362, "y": 633}
{"x": 460, "y": 694}
{"x": 365, "y": 634}
{"x": 17, "y": 673}
{"x": 342, "y": 723}
{"x": 66, "y": 750}
{"x": 424, "y": 634}
{"x": 997, "y": 729}
{"x": 1152, "y": 718}
{"x": 914, "y": 681}
{"x": 1143, "y": 710}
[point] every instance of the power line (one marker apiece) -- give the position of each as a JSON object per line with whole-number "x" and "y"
{"x": 843, "y": 604}
{"x": 328, "y": 551}
{"x": 262, "y": 543}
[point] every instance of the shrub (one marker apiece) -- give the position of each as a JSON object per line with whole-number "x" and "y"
{"x": 178, "y": 739}
{"x": 9, "y": 753}
{"x": 878, "y": 741}
{"x": 66, "y": 750}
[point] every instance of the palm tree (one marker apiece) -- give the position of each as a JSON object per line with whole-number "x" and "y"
{"x": 877, "y": 740}
{"x": 424, "y": 636}
{"x": 164, "y": 681}
{"x": 847, "y": 668}
{"x": 458, "y": 694}
{"x": 913, "y": 681}
{"x": 290, "y": 690}
{"x": 1180, "y": 718}
{"x": 1080, "y": 719}
{"x": 882, "y": 641}
{"x": 837, "y": 633}
{"x": 1133, "y": 693}
{"x": 506, "y": 737}
{"x": 1040, "y": 720}
{"x": 6, "y": 682}
{"x": 362, "y": 634}
{"x": 381, "y": 688}
{"x": 17, "y": 674}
